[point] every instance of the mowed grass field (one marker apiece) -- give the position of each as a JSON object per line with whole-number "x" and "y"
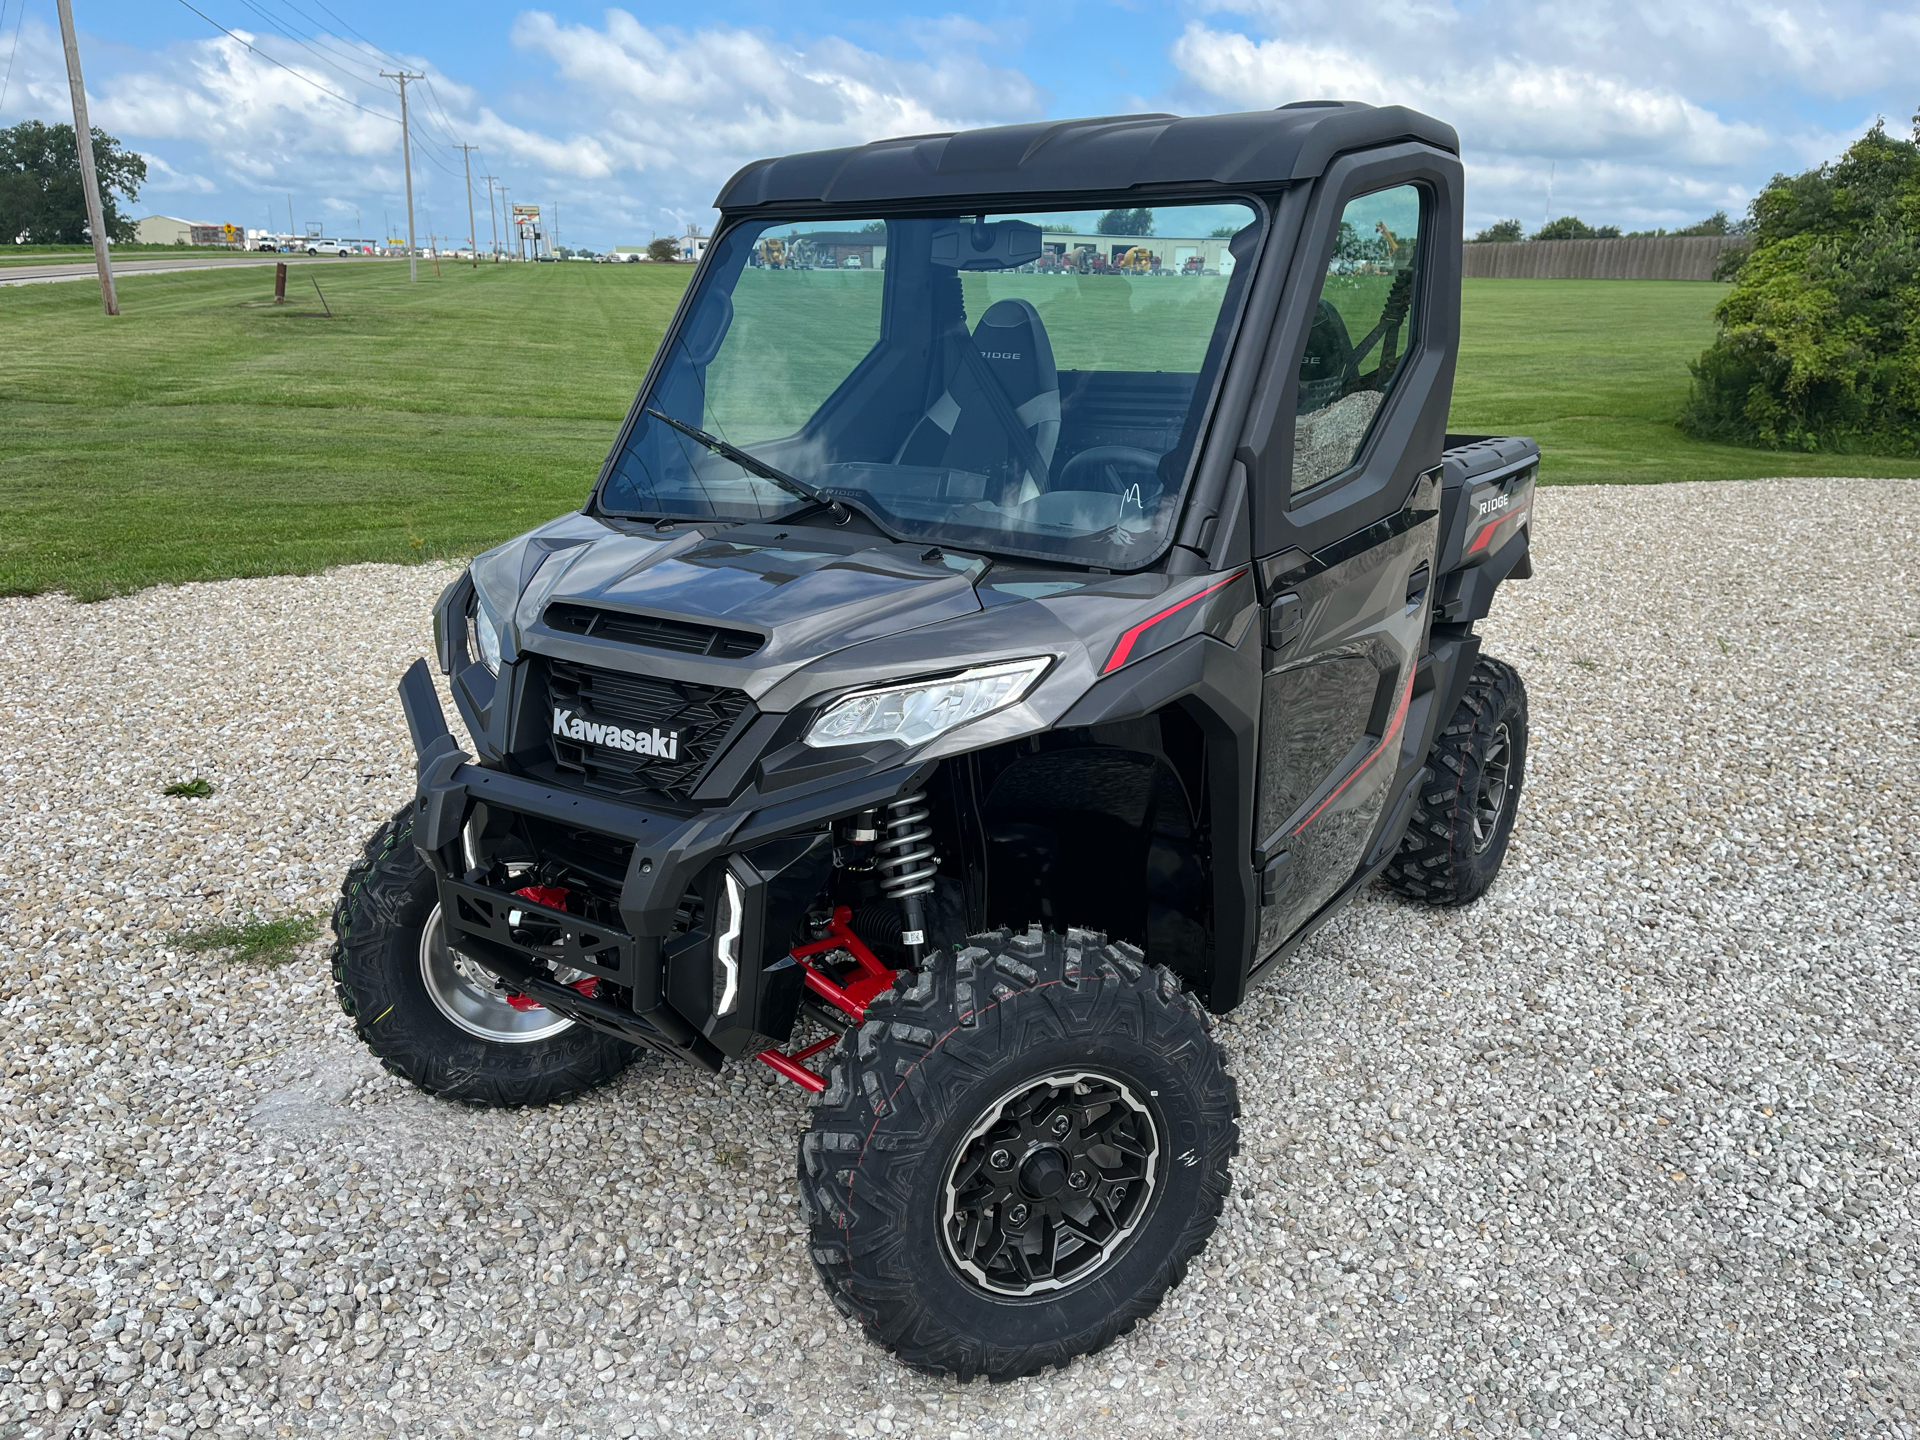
{"x": 207, "y": 433}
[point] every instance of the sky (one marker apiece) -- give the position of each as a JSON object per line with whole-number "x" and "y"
{"x": 1639, "y": 113}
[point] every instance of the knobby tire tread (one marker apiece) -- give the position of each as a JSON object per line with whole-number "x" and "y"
{"x": 1435, "y": 862}
{"x": 909, "y": 1057}
{"x": 380, "y": 889}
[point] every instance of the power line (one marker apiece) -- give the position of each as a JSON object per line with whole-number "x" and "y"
{"x": 287, "y": 34}
{"x": 255, "y": 50}
{"x": 355, "y": 33}
{"x": 445, "y": 121}
{"x": 21, "y": 20}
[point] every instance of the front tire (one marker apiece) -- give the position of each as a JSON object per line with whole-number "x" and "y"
{"x": 431, "y": 1016}
{"x": 1017, "y": 1154}
{"x": 1458, "y": 837}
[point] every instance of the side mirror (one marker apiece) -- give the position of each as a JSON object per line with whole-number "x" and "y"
{"x": 979, "y": 245}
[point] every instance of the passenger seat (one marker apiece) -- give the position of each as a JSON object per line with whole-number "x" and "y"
{"x": 960, "y": 430}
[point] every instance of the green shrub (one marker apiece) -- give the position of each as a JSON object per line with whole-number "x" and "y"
{"x": 1819, "y": 344}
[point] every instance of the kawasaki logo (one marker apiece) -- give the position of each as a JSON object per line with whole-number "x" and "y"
{"x": 644, "y": 742}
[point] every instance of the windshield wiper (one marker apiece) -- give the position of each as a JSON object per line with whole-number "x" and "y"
{"x": 751, "y": 464}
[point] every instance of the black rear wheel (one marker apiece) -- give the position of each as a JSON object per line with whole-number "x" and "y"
{"x": 1018, "y": 1153}
{"x": 1458, "y": 837}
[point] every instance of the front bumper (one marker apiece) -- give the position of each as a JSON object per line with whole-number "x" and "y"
{"x": 773, "y": 849}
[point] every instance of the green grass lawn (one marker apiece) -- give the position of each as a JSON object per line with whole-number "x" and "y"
{"x": 1596, "y": 371}
{"x": 206, "y": 433}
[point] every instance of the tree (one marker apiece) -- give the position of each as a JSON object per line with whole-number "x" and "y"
{"x": 1223, "y": 232}
{"x": 1572, "y": 227}
{"x": 1500, "y": 232}
{"x": 874, "y": 227}
{"x": 1819, "y": 345}
{"x": 1127, "y": 222}
{"x": 663, "y": 249}
{"x": 41, "y": 202}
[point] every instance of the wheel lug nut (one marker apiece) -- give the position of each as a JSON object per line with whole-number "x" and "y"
{"x": 1061, "y": 1124}
{"x": 1119, "y": 1192}
{"x": 1000, "y": 1159}
{"x": 1078, "y": 1179}
{"x": 1016, "y": 1214}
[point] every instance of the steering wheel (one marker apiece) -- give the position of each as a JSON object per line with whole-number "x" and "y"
{"x": 1115, "y": 469}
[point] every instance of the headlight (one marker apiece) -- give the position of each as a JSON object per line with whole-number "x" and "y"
{"x": 483, "y": 636}
{"x": 918, "y": 712}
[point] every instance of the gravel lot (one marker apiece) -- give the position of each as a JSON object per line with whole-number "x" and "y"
{"x": 1627, "y": 1148}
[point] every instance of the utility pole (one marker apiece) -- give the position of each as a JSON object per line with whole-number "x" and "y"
{"x": 83, "y": 145}
{"x": 491, "y": 223}
{"x": 289, "y": 217}
{"x": 406, "y": 155}
{"x": 473, "y": 235}
{"x": 556, "y": 229}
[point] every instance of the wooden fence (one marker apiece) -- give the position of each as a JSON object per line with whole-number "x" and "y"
{"x": 1665, "y": 257}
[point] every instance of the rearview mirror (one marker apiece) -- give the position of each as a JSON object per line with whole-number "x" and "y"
{"x": 980, "y": 245}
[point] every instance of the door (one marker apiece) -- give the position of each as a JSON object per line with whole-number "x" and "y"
{"x": 1346, "y": 604}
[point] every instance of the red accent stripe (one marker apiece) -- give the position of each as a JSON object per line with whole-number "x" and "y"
{"x": 1124, "y": 649}
{"x": 1393, "y": 730}
{"x": 1487, "y": 532}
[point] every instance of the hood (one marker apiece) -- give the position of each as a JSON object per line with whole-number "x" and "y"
{"x": 809, "y": 592}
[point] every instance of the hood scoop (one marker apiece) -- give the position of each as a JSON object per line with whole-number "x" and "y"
{"x": 571, "y": 618}
{"x": 786, "y": 597}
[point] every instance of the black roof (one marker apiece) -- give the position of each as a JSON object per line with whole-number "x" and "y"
{"x": 1106, "y": 154}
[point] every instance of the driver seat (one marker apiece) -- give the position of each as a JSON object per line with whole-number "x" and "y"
{"x": 960, "y": 430}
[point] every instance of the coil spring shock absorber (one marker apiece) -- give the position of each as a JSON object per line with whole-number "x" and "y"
{"x": 907, "y": 863}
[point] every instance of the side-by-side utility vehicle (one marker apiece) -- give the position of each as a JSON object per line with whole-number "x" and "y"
{"x": 971, "y": 669}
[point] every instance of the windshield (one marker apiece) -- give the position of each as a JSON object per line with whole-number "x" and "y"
{"x": 1025, "y": 384}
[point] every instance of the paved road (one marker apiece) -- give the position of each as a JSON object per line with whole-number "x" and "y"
{"x": 83, "y": 269}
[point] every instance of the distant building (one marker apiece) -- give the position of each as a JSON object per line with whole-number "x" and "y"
{"x": 171, "y": 230}
{"x": 629, "y": 252}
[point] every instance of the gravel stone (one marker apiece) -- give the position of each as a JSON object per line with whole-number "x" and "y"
{"x": 1627, "y": 1148}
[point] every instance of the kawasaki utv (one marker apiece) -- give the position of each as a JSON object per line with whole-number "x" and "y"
{"x": 972, "y": 667}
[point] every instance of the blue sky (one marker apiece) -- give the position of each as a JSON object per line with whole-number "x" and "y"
{"x": 1652, "y": 112}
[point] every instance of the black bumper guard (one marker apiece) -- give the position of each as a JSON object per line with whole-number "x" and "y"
{"x": 481, "y": 913}
{"x": 480, "y": 926}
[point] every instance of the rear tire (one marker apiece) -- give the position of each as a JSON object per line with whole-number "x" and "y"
{"x": 434, "y": 1021}
{"x": 1017, "y": 1154}
{"x": 1458, "y": 837}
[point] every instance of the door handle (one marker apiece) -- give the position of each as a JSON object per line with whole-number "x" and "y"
{"x": 1285, "y": 616}
{"x": 1417, "y": 585}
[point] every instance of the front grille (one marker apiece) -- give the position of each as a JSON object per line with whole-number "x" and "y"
{"x": 652, "y": 632}
{"x": 609, "y": 707}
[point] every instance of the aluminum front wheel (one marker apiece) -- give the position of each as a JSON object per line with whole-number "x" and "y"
{"x": 1496, "y": 774}
{"x": 1050, "y": 1184}
{"x": 475, "y": 1000}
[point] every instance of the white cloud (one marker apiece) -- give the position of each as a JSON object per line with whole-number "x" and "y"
{"x": 638, "y": 126}
{"x": 704, "y": 102}
{"x": 1635, "y": 109}
{"x": 1500, "y": 104}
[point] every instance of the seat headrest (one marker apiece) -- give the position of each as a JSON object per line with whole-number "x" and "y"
{"x": 1016, "y": 347}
